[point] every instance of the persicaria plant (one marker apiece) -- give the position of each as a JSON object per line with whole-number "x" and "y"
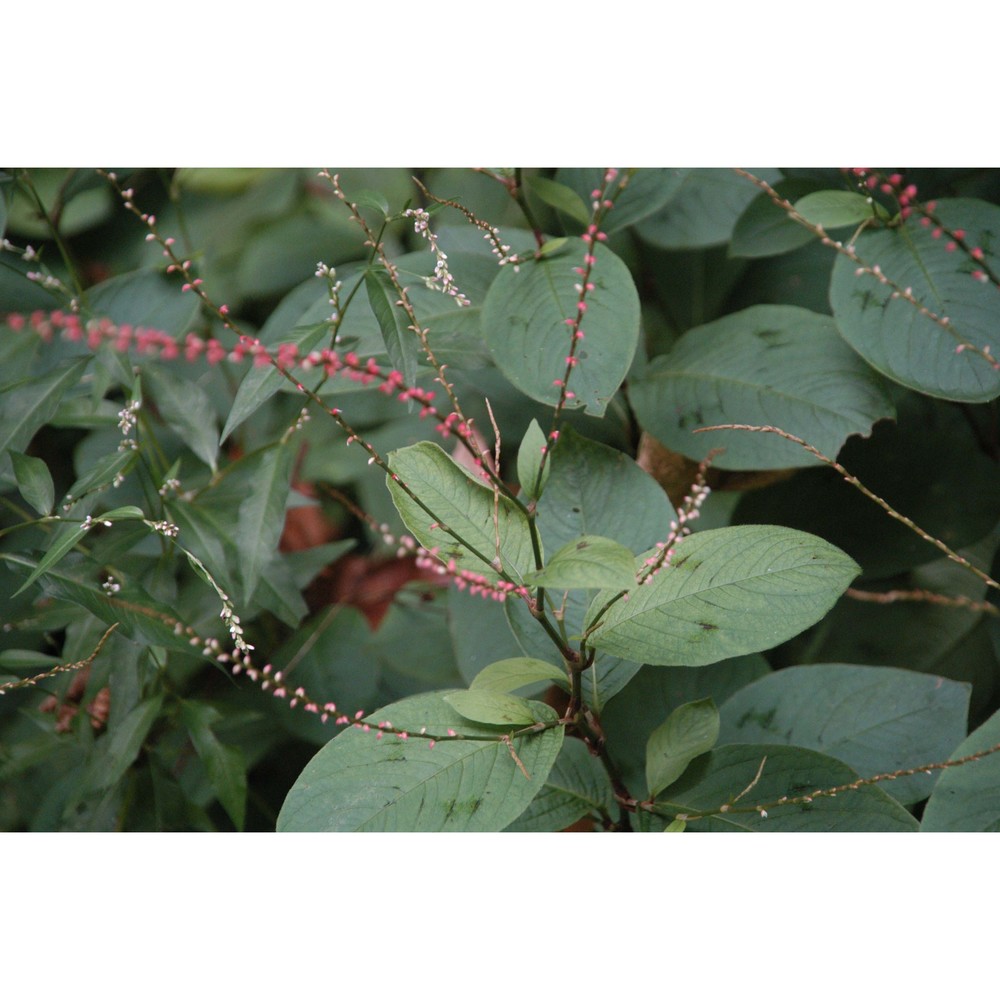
{"x": 626, "y": 500}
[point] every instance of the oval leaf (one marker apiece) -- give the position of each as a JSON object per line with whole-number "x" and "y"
{"x": 892, "y": 335}
{"x": 508, "y": 675}
{"x": 531, "y": 474}
{"x": 492, "y": 708}
{"x": 589, "y": 562}
{"x": 689, "y": 731}
{"x": 34, "y": 481}
{"x": 470, "y": 783}
{"x": 778, "y": 365}
{"x": 876, "y": 719}
{"x": 831, "y": 209}
{"x": 454, "y": 500}
{"x": 727, "y": 592}
{"x": 524, "y": 320}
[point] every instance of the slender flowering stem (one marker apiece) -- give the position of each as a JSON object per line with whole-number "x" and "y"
{"x": 926, "y": 596}
{"x": 62, "y": 668}
{"x": 858, "y": 485}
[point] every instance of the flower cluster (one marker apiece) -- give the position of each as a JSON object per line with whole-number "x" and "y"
{"x": 442, "y": 277}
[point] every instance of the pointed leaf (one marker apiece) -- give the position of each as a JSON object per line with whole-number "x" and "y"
{"x": 261, "y": 516}
{"x": 562, "y": 198}
{"x": 529, "y": 462}
{"x": 460, "y": 784}
{"x": 892, "y": 335}
{"x": 67, "y": 536}
{"x": 115, "y": 754}
{"x": 34, "y": 481}
{"x": 524, "y": 320}
{"x": 466, "y": 507}
{"x": 224, "y": 765}
{"x": 876, "y": 719}
{"x": 689, "y": 731}
{"x": 401, "y": 342}
{"x": 589, "y": 562}
{"x": 726, "y": 592}
{"x": 185, "y": 406}
{"x": 492, "y": 708}
{"x": 777, "y": 365}
{"x": 100, "y": 473}
{"x": 509, "y": 675}
{"x": 27, "y": 406}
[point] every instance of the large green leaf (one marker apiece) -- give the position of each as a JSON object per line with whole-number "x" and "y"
{"x": 765, "y": 230}
{"x": 967, "y": 797}
{"x": 876, "y": 719}
{"x": 577, "y": 786}
{"x": 590, "y": 487}
{"x": 525, "y": 321}
{"x": 185, "y": 406}
{"x": 777, "y": 365}
{"x": 589, "y": 562}
{"x": 727, "y": 592}
{"x": 34, "y": 481}
{"x": 466, "y": 507}
{"x": 114, "y": 754}
{"x": 892, "y": 335}
{"x": 719, "y": 777}
{"x": 357, "y": 782}
{"x": 704, "y": 210}
{"x": 516, "y": 672}
{"x": 492, "y": 707}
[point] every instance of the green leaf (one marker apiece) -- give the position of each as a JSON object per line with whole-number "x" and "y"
{"x": 67, "y": 536}
{"x": 185, "y": 406}
{"x": 492, "y": 708}
{"x": 469, "y": 782}
{"x": 966, "y": 798}
{"x": 466, "y": 507}
{"x": 726, "y": 592}
{"x": 34, "y": 481}
{"x": 261, "y": 382}
{"x": 689, "y": 731}
{"x": 144, "y": 298}
{"x": 876, "y": 719}
{"x": 27, "y": 406}
{"x": 577, "y": 786}
{"x": 116, "y": 753}
{"x": 261, "y": 515}
{"x": 654, "y": 692}
{"x": 704, "y": 209}
{"x": 647, "y": 192}
{"x": 101, "y": 473}
{"x": 767, "y": 365}
{"x": 892, "y": 335}
{"x": 560, "y": 197}
{"x": 224, "y": 765}
{"x": 529, "y": 462}
{"x": 831, "y": 209}
{"x": 551, "y": 247}
{"x": 524, "y": 320}
{"x": 725, "y": 773}
{"x": 591, "y": 484}
{"x": 401, "y": 342}
{"x": 765, "y": 230}
{"x": 517, "y": 671}
{"x": 588, "y": 562}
